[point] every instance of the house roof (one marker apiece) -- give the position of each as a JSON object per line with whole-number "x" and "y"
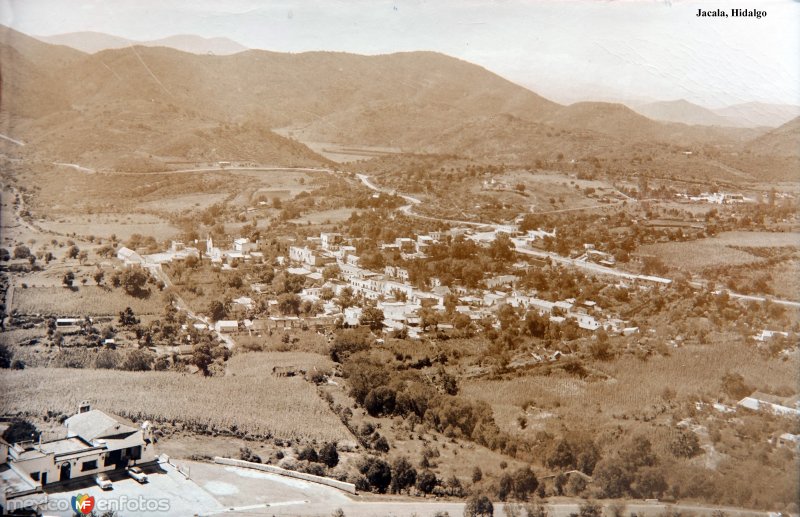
{"x": 95, "y": 424}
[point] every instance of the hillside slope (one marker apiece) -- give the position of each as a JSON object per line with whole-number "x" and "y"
{"x": 157, "y": 104}
{"x": 781, "y": 141}
{"x": 683, "y": 112}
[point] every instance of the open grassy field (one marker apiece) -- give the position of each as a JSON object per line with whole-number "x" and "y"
{"x": 325, "y": 216}
{"x": 104, "y": 225}
{"x": 634, "y": 386}
{"x": 185, "y": 202}
{"x": 758, "y": 239}
{"x": 694, "y": 256}
{"x": 248, "y": 400}
{"x": 85, "y": 301}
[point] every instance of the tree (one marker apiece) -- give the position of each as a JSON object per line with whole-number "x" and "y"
{"x": 216, "y": 310}
{"x": 137, "y": 361}
{"x": 68, "y": 279}
{"x": 377, "y": 472}
{"x": 308, "y": 453}
{"x": 404, "y": 475}
{"x": 477, "y": 474}
{"x": 525, "y": 483}
{"x": 502, "y": 248}
{"x": 381, "y": 444}
{"x": 202, "y": 356}
{"x": 600, "y": 346}
{"x": 329, "y": 455}
{"x": 373, "y": 318}
{"x": 4, "y": 255}
{"x": 127, "y": 318}
{"x": 734, "y": 385}
{"x": 293, "y": 283}
{"x": 19, "y": 431}
{"x": 505, "y": 486}
{"x": 289, "y": 304}
{"x": 561, "y": 456}
{"x": 346, "y": 298}
{"x": 380, "y": 401}
{"x": 684, "y": 444}
{"x": 348, "y": 342}
{"x": 612, "y": 478}
{"x": 590, "y": 509}
{"x": 235, "y": 281}
{"x": 478, "y": 506}
{"x": 5, "y": 356}
{"x": 428, "y": 318}
{"x": 133, "y": 282}
{"x": 536, "y": 509}
{"x": 98, "y": 277}
{"x": 649, "y": 482}
{"x": 72, "y": 252}
{"x": 426, "y": 481}
{"x": 638, "y": 453}
{"x": 21, "y": 252}
{"x": 331, "y": 272}
{"x": 107, "y": 359}
{"x": 83, "y": 256}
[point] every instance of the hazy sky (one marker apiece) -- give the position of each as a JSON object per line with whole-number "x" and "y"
{"x": 565, "y": 50}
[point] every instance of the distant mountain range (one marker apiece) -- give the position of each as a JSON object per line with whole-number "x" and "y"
{"x": 139, "y": 106}
{"x": 751, "y": 114}
{"x": 93, "y": 42}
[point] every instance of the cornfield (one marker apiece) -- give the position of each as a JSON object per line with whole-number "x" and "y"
{"x": 247, "y": 401}
{"x": 85, "y": 301}
{"x": 635, "y": 385}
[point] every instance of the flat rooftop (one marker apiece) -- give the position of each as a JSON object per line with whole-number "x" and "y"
{"x": 65, "y": 446}
{"x": 11, "y": 482}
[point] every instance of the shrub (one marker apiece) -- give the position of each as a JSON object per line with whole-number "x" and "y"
{"x": 404, "y": 475}
{"x": 137, "y": 361}
{"x": 426, "y": 481}
{"x": 478, "y": 506}
{"x": 308, "y": 454}
{"x": 377, "y": 472}
{"x": 329, "y": 455}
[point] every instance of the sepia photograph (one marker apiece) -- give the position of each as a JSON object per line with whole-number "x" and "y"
{"x": 400, "y": 258}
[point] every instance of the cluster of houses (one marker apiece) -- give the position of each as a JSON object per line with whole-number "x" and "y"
{"x": 401, "y": 302}
{"x": 717, "y": 198}
{"x": 391, "y": 289}
{"x": 178, "y": 251}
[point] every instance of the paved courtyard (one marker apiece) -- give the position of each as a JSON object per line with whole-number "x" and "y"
{"x": 218, "y": 490}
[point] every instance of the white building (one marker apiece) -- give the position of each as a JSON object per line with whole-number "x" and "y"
{"x": 129, "y": 257}
{"x": 304, "y": 255}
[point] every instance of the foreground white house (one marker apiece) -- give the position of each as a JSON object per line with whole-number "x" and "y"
{"x": 95, "y": 442}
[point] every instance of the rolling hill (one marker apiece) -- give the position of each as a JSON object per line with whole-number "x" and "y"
{"x": 781, "y": 141}
{"x": 150, "y": 105}
{"x": 754, "y": 114}
{"x": 93, "y": 42}
{"x": 684, "y": 112}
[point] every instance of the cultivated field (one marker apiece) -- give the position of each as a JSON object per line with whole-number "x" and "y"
{"x": 694, "y": 256}
{"x": 180, "y": 203}
{"x": 248, "y": 400}
{"x": 758, "y": 239}
{"x": 104, "y": 225}
{"x": 325, "y": 216}
{"x": 85, "y": 301}
{"x": 634, "y": 386}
